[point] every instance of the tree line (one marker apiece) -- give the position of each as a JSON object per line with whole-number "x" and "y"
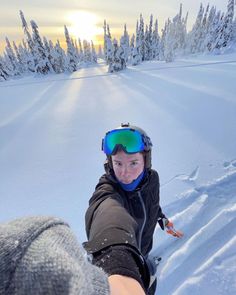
{"x": 213, "y": 32}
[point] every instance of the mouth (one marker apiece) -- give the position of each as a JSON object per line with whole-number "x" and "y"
{"x": 125, "y": 181}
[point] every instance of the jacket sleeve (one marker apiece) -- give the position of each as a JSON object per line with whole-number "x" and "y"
{"x": 108, "y": 222}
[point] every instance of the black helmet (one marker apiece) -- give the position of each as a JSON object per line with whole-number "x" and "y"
{"x": 132, "y": 140}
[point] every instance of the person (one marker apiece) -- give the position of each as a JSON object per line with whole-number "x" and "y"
{"x": 124, "y": 211}
{"x": 40, "y": 255}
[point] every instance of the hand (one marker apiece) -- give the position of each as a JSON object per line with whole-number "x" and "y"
{"x": 171, "y": 230}
{"x": 122, "y": 285}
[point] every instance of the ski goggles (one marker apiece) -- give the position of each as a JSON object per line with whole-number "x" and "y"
{"x": 131, "y": 141}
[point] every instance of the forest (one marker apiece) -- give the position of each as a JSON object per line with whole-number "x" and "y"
{"x": 214, "y": 32}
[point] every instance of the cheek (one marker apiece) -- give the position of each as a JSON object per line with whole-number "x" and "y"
{"x": 117, "y": 170}
{"x": 139, "y": 170}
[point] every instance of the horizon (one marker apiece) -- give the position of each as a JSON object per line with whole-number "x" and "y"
{"x": 85, "y": 21}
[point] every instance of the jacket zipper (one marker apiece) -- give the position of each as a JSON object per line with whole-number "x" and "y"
{"x": 144, "y": 219}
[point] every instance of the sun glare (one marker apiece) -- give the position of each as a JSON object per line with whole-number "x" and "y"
{"x": 83, "y": 25}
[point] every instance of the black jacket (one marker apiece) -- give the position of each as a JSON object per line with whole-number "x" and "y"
{"x": 120, "y": 226}
{"x": 117, "y": 217}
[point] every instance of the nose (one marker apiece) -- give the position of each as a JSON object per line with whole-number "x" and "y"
{"x": 123, "y": 171}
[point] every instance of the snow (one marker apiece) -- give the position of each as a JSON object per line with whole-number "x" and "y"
{"x": 50, "y": 159}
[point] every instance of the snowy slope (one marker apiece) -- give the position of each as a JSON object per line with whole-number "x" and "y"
{"x": 50, "y": 136}
{"x": 203, "y": 262}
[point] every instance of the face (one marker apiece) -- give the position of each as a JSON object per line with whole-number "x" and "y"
{"x": 127, "y": 167}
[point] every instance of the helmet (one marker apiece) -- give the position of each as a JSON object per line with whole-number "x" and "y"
{"x": 129, "y": 138}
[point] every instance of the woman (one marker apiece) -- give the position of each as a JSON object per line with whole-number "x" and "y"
{"x": 123, "y": 212}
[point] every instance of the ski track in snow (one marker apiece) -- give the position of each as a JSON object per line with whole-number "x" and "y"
{"x": 195, "y": 264}
{"x": 185, "y": 177}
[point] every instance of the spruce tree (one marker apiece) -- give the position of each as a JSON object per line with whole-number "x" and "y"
{"x": 118, "y": 63}
{"x": 155, "y": 42}
{"x": 105, "y": 41}
{"x": 71, "y": 54}
{"x": 204, "y": 31}
{"x": 43, "y": 64}
{"x": 124, "y": 43}
{"x": 22, "y": 65}
{"x": 81, "y": 52}
{"x": 31, "y": 54}
{"x": 227, "y": 28}
{"x": 110, "y": 54}
{"x": 3, "y": 73}
{"x": 210, "y": 30}
{"x": 136, "y": 56}
{"x": 149, "y": 40}
{"x": 50, "y": 55}
{"x": 141, "y": 38}
{"x": 87, "y": 52}
{"x": 60, "y": 58}
{"x": 169, "y": 42}
{"x": 195, "y": 34}
{"x": 94, "y": 57}
{"x": 12, "y": 58}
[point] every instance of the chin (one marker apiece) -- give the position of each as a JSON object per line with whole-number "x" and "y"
{"x": 126, "y": 181}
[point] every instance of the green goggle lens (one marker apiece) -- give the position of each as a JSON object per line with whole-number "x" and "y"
{"x": 130, "y": 140}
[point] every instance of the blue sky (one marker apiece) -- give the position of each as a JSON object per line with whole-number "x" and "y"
{"x": 52, "y": 15}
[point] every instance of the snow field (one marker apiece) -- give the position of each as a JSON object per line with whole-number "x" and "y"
{"x": 50, "y": 159}
{"x": 197, "y": 263}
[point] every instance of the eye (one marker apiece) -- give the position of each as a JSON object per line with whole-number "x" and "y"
{"x": 118, "y": 164}
{"x": 134, "y": 163}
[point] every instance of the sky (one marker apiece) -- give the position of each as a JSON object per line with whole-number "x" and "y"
{"x": 85, "y": 19}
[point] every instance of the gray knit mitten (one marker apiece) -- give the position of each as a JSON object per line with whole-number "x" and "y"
{"x": 40, "y": 255}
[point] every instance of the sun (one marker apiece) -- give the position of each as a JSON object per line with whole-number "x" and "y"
{"x": 83, "y": 25}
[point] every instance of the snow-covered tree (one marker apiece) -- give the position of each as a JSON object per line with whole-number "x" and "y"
{"x": 3, "y": 72}
{"x": 148, "y": 40}
{"x": 179, "y": 32}
{"x": 50, "y": 55}
{"x": 12, "y": 58}
{"x": 234, "y": 32}
{"x": 31, "y": 46}
{"x": 195, "y": 34}
{"x": 218, "y": 33}
{"x": 59, "y": 56}
{"x": 226, "y": 32}
{"x": 26, "y": 57}
{"x": 81, "y": 52}
{"x": 107, "y": 42}
{"x": 22, "y": 62}
{"x": 136, "y": 57}
{"x": 118, "y": 61}
{"x": 141, "y": 38}
{"x": 124, "y": 43}
{"x": 168, "y": 41}
{"x": 42, "y": 64}
{"x": 110, "y": 54}
{"x": 71, "y": 53}
{"x": 94, "y": 57}
{"x": 155, "y": 42}
{"x": 208, "y": 41}
{"x": 87, "y": 52}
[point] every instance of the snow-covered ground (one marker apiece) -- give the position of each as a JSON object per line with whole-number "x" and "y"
{"x": 50, "y": 160}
